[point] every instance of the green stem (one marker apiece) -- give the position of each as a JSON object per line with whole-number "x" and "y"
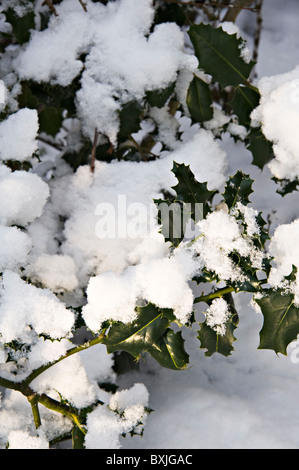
{"x": 70, "y": 352}
{"x": 9, "y": 384}
{"x": 214, "y": 295}
{"x": 33, "y": 400}
{"x": 195, "y": 239}
{"x": 65, "y": 410}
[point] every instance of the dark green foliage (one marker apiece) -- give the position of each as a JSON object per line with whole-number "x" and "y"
{"x": 199, "y": 100}
{"x": 219, "y": 55}
{"x": 150, "y": 332}
{"x": 238, "y": 189}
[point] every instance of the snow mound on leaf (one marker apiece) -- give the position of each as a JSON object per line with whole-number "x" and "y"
{"x": 278, "y": 114}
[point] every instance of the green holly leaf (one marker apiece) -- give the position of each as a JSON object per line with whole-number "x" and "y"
{"x": 190, "y": 191}
{"x": 173, "y": 217}
{"x": 286, "y": 186}
{"x": 50, "y": 120}
{"x": 199, "y": 100}
{"x": 150, "y": 333}
{"x": 172, "y": 354}
{"x": 129, "y": 117}
{"x": 244, "y": 101}
{"x": 264, "y": 233}
{"x": 260, "y": 147}
{"x": 21, "y": 25}
{"x": 216, "y": 343}
{"x": 238, "y": 189}
{"x": 219, "y": 55}
{"x": 140, "y": 335}
{"x": 158, "y": 98}
{"x": 281, "y": 320}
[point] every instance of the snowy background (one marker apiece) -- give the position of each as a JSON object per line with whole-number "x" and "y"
{"x": 249, "y": 400}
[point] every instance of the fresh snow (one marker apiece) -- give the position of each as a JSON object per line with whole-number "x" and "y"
{"x": 248, "y": 400}
{"x": 245, "y": 401}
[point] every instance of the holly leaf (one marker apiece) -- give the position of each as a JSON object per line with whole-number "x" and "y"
{"x": 219, "y": 55}
{"x": 172, "y": 354}
{"x": 215, "y": 343}
{"x": 158, "y": 98}
{"x": 173, "y": 217}
{"x": 260, "y": 147}
{"x": 129, "y": 117}
{"x": 238, "y": 189}
{"x": 199, "y": 100}
{"x": 50, "y": 120}
{"x": 190, "y": 191}
{"x": 244, "y": 101}
{"x": 286, "y": 186}
{"x": 212, "y": 341}
{"x": 21, "y": 25}
{"x": 149, "y": 333}
{"x": 281, "y": 321}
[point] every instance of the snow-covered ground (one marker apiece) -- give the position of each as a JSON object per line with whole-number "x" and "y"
{"x": 249, "y": 400}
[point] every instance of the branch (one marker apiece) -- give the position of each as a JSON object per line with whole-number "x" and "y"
{"x": 236, "y": 8}
{"x": 51, "y": 6}
{"x": 94, "y": 149}
{"x": 83, "y": 5}
{"x": 69, "y": 353}
{"x": 258, "y": 30}
{"x": 55, "y": 145}
{"x": 33, "y": 400}
{"x": 213, "y": 5}
{"x": 214, "y": 295}
{"x": 61, "y": 408}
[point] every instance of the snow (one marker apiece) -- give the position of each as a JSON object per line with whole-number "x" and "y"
{"x": 245, "y": 401}
{"x": 104, "y": 428}
{"x": 284, "y": 248}
{"x": 248, "y": 400}
{"x": 110, "y": 215}
{"x": 278, "y": 114}
{"x": 161, "y": 281}
{"x": 57, "y": 272}
{"x": 18, "y": 135}
{"x": 23, "y": 440}
{"x": 14, "y": 248}
{"x": 128, "y": 398}
{"x": 23, "y": 196}
{"x": 31, "y": 308}
{"x": 216, "y": 315}
{"x": 215, "y": 246}
{"x": 149, "y": 59}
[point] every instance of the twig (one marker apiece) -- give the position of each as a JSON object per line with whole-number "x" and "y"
{"x": 211, "y": 4}
{"x": 33, "y": 400}
{"x": 258, "y": 30}
{"x": 83, "y": 5}
{"x": 55, "y": 145}
{"x": 51, "y": 6}
{"x": 236, "y": 7}
{"x": 94, "y": 148}
{"x": 214, "y": 295}
{"x": 76, "y": 349}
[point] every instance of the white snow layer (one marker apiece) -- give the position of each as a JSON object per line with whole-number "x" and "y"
{"x": 18, "y": 135}
{"x": 278, "y": 114}
{"x": 124, "y": 59}
{"x": 23, "y": 196}
{"x": 30, "y": 307}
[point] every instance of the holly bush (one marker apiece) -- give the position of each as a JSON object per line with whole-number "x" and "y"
{"x": 104, "y": 99}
